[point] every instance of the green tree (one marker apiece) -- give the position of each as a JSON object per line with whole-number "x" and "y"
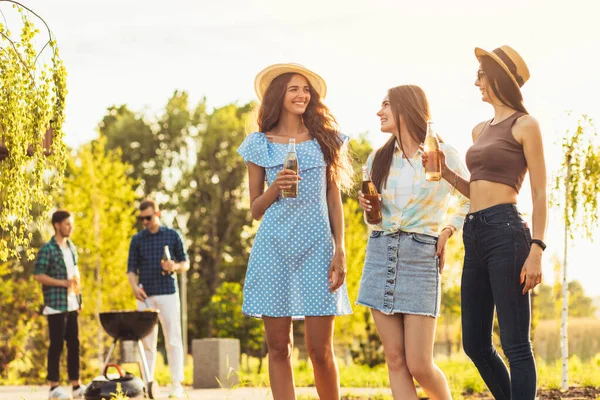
{"x": 100, "y": 195}
{"x": 352, "y": 327}
{"x": 32, "y": 151}
{"x": 356, "y": 236}
{"x": 579, "y": 183}
{"x": 545, "y": 302}
{"x": 225, "y": 310}
{"x": 580, "y": 305}
{"x": 19, "y": 309}
{"x": 214, "y": 195}
{"x": 127, "y": 131}
{"x": 158, "y": 149}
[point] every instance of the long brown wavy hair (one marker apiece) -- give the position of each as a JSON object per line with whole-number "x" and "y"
{"x": 504, "y": 88}
{"x": 410, "y": 102}
{"x": 320, "y": 123}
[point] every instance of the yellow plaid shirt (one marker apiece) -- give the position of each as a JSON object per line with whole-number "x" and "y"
{"x": 432, "y": 206}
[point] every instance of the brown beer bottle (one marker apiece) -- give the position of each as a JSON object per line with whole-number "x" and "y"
{"x": 291, "y": 163}
{"x": 370, "y": 193}
{"x": 433, "y": 169}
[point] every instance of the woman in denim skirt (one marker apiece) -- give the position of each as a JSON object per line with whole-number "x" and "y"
{"x": 502, "y": 261}
{"x": 406, "y": 251}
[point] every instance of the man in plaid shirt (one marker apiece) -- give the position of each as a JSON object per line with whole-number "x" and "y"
{"x": 154, "y": 284}
{"x": 56, "y": 269}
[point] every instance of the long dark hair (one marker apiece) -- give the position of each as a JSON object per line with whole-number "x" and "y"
{"x": 410, "y": 102}
{"x": 503, "y": 86}
{"x": 320, "y": 123}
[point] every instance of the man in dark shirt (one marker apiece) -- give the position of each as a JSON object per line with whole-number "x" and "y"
{"x": 154, "y": 284}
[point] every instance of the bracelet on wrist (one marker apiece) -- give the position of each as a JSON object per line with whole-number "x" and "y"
{"x": 540, "y": 243}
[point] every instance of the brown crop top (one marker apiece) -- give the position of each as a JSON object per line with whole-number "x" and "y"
{"x": 496, "y": 156}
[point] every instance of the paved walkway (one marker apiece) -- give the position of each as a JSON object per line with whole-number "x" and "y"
{"x": 41, "y": 393}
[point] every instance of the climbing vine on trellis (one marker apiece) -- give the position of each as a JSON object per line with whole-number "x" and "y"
{"x": 32, "y": 150}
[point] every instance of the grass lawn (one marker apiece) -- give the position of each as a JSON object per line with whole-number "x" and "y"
{"x": 462, "y": 376}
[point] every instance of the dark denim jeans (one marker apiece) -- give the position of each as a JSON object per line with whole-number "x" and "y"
{"x": 63, "y": 327}
{"x": 497, "y": 243}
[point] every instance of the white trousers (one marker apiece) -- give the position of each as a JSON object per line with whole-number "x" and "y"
{"x": 170, "y": 320}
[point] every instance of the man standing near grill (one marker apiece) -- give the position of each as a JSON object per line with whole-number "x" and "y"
{"x": 56, "y": 269}
{"x": 154, "y": 284}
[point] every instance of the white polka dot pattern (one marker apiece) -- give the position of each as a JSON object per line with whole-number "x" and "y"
{"x": 293, "y": 248}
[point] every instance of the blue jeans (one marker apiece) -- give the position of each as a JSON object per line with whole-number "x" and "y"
{"x": 497, "y": 243}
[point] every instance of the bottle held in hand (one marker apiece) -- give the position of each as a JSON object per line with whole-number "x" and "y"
{"x": 166, "y": 257}
{"x": 433, "y": 169}
{"x": 291, "y": 163}
{"x": 370, "y": 193}
{"x": 146, "y": 299}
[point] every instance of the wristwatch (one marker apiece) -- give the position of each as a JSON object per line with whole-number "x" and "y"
{"x": 539, "y": 243}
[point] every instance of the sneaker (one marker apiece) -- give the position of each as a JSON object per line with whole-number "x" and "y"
{"x": 59, "y": 394}
{"x": 78, "y": 393}
{"x": 177, "y": 392}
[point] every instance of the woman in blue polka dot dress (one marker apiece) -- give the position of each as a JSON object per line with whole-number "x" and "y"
{"x": 297, "y": 265}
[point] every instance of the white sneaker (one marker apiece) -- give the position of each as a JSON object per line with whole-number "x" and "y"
{"x": 59, "y": 394}
{"x": 78, "y": 393}
{"x": 177, "y": 392}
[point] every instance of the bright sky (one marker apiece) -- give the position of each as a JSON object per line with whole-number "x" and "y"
{"x": 139, "y": 52}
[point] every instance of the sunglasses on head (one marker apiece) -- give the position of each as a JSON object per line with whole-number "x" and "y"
{"x": 145, "y": 217}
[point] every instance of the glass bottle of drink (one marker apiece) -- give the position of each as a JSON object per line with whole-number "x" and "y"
{"x": 370, "y": 193}
{"x": 433, "y": 169}
{"x": 166, "y": 257}
{"x": 291, "y": 163}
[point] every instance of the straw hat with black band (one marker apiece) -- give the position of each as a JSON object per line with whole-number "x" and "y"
{"x": 510, "y": 61}
{"x": 266, "y": 76}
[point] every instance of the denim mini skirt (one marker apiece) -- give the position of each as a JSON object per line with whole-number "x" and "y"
{"x": 401, "y": 274}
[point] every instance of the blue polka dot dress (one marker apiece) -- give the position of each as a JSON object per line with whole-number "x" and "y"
{"x": 287, "y": 272}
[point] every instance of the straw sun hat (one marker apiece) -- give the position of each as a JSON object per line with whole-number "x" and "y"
{"x": 510, "y": 61}
{"x": 266, "y": 76}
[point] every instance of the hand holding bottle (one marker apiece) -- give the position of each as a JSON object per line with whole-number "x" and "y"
{"x": 285, "y": 179}
{"x": 369, "y": 199}
{"x": 167, "y": 264}
{"x": 74, "y": 285}
{"x": 442, "y": 156}
{"x": 291, "y": 164}
{"x": 140, "y": 293}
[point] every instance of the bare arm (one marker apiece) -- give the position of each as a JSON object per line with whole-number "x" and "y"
{"x": 261, "y": 199}
{"x": 336, "y": 215}
{"x": 337, "y": 270}
{"x": 182, "y": 266}
{"x": 172, "y": 266}
{"x": 527, "y": 131}
{"x": 133, "y": 280}
{"x": 49, "y": 281}
{"x": 138, "y": 292}
{"x": 462, "y": 184}
{"x": 453, "y": 177}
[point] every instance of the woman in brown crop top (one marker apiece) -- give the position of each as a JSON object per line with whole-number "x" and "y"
{"x": 502, "y": 261}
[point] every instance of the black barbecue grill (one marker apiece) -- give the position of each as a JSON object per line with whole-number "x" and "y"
{"x": 129, "y": 325}
{"x": 133, "y": 326}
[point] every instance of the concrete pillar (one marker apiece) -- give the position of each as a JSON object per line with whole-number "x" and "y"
{"x": 216, "y": 360}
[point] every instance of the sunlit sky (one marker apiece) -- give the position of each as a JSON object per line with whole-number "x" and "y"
{"x": 138, "y": 52}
